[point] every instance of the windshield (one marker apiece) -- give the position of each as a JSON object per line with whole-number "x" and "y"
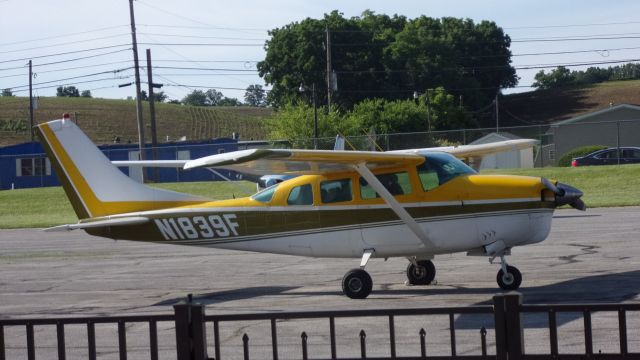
{"x": 265, "y": 195}
{"x": 439, "y": 168}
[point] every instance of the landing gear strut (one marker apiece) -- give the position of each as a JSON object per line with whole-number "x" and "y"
{"x": 421, "y": 272}
{"x": 509, "y": 277}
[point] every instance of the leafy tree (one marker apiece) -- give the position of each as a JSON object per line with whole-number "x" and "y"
{"x": 67, "y": 91}
{"x": 196, "y": 98}
{"x": 225, "y": 101}
{"x": 174, "y": 101}
{"x": 390, "y": 57}
{"x": 7, "y": 92}
{"x": 144, "y": 96}
{"x": 559, "y": 77}
{"x": 214, "y": 97}
{"x": 296, "y": 124}
{"x": 255, "y": 96}
{"x": 85, "y": 94}
{"x": 160, "y": 96}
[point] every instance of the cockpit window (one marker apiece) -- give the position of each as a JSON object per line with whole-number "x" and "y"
{"x": 333, "y": 191}
{"x": 265, "y": 195}
{"x": 439, "y": 168}
{"x": 397, "y": 183}
{"x": 301, "y": 195}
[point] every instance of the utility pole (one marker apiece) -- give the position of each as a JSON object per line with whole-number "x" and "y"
{"x": 497, "y": 114}
{"x": 30, "y": 100}
{"x": 328, "y": 69}
{"x": 138, "y": 92}
{"x": 152, "y": 112}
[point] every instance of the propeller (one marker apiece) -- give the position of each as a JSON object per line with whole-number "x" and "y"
{"x": 565, "y": 194}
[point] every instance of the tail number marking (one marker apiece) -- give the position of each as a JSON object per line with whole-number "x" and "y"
{"x": 198, "y": 227}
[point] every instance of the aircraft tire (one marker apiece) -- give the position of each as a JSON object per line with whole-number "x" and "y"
{"x": 423, "y": 274}
{"x": 357, "y": 284}
{"x": 511, "y": 281}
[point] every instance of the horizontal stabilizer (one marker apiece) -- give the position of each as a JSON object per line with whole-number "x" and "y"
{"x": 131, "y": 220}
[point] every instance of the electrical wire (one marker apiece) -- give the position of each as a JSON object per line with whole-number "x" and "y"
{"x": 62, "y": 44}
{"x": 77, "y": 82}
{"x": 203, "y": 37}
{"x": 65, "y": 53}
{"x": 75, "y": 77}
{"x": 63, "y": 35}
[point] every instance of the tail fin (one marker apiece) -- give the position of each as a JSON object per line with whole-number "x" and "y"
{"x": 93, "y": 185}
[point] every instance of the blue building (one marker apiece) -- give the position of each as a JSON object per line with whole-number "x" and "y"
{"x": 26, "y": 165}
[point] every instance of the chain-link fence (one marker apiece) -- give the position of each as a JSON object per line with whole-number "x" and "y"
{"x": 554, "y": 141}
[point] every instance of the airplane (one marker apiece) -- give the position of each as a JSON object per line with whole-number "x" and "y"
{"x": 345, "y": 204}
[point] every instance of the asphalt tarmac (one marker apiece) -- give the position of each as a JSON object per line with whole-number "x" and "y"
{"x": 590, "y": 257}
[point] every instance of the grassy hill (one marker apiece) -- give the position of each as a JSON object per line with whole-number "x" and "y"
{"x": 548, "y": 106}
{"x": 102, "y": 119}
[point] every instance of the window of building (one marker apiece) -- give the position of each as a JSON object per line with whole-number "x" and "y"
{"x": 33, "y": 167}
{"x": 397, "y": 183}
{"x": 183, "y": 155}
{"x": 301, "y": 195}
{"x": 334, "y": 191}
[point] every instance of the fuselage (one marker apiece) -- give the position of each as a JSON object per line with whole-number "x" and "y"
{"x": 339, "y": 215}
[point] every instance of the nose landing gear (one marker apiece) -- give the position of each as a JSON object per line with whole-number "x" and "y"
{"x": 508, "y": 277}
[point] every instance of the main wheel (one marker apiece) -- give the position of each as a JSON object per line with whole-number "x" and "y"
{"x": 357, "y": 284}
{"x": 511, "y": 280}
{"x": 422, "y": 274}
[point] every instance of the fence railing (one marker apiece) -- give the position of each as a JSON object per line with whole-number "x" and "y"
{"x": 191, "y": 325}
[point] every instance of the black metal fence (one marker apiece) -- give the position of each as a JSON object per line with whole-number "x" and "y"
{"x": 505, "y": 316}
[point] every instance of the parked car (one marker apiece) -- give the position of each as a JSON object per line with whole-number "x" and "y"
{"x": 628, "y": 155}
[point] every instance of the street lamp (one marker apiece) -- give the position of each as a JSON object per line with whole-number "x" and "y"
{"x": 302, "y": 89}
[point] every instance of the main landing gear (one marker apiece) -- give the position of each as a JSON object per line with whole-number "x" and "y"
{"x": 357, "y": 283}
{"x": 420, "y": 272}
{"x": 509, "y": 277}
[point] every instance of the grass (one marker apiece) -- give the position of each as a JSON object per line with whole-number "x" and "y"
{"x": 603, "y": 186}
{"x": 46, "y": 207}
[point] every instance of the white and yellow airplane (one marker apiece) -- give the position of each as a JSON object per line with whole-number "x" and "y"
{"x": 348, "y": 204}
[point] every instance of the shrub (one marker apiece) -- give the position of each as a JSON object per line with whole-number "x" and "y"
{"x": 565, "y": 160}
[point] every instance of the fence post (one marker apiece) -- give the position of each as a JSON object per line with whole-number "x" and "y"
{"x": 509, "y": 331}
{"x": 191, "y": 341}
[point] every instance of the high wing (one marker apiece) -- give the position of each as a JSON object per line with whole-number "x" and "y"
{"x": 301, "y": 162}
{"x": 473, "y": 154}
{"x": 151, "y": 163}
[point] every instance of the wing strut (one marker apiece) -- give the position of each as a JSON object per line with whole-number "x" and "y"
{"x": 364, "y": 171}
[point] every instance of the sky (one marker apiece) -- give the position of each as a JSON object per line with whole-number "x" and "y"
{"x": 87, "y": 43}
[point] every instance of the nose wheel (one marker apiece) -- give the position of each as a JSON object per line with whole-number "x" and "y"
{"x": 509, "y": 277}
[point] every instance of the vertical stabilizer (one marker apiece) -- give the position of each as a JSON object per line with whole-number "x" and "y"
{"x": 96, "y": 187}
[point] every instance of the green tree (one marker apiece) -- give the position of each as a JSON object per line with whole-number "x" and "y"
{"x": 7, "y": 92}
{"x": 196, "y": 98}
{"x": 67, "y": 91}
{"x": 255, "y": 96}
{"x": 389, "y": 57}
{"x": 144, "y": 96}
{"x": 559, "y": 77}
{"x": 85, "y": 94}
{"x": 225, "y": 101}
{"x": 214, "y": 97}
{"x": 160, "y": 96}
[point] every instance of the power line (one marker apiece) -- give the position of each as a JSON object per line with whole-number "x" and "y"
{"x": 76, "y": 77}
{"x": 203, "y": 37}
{"x": 202, "y": 44}
{"x": 77, "y": 82}
{"x": 203, "y": 69}
{"x": 65, "y": 53}
{"x": 70, "y": 68}
{"x": 62, "y": 44}
{"x": 61, "y": 36}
